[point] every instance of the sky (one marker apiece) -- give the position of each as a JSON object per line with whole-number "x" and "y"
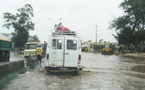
{"x": 81, "y": 16}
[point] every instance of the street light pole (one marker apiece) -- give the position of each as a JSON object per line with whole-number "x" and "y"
{"x": 96, "y": 34}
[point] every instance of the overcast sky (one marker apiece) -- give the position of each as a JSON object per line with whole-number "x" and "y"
{"x": 77, "y": 15}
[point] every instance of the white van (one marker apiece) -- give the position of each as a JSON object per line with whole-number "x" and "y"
{"x": 63, "y": 52}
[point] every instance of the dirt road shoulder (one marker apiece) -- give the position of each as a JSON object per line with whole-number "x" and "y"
{"x": 134, "y": 54}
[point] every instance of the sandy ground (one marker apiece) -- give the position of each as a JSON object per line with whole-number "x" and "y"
{"x": 142, "y": 55}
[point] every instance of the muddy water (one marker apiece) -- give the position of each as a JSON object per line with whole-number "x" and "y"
{"x": 100, "y": 72}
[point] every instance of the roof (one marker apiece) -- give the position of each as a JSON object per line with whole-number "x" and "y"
{"x": 32, "y": 43}
{"x": 5, "y": 39}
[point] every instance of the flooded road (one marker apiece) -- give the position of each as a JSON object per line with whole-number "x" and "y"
{"x": 100, "y": 72}
{"x": 14, "y": 57}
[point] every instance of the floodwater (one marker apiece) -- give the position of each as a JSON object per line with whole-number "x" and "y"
{"x": 100, "y": 72}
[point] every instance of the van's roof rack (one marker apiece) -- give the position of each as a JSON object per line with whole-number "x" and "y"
{"x": 57, "y": 32}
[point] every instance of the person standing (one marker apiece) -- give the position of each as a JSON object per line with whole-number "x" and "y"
{"x": 39, "y": 52}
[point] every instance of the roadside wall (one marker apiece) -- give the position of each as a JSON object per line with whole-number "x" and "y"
{"x": 32, "y": 63}
{"x": 9, "y": 71}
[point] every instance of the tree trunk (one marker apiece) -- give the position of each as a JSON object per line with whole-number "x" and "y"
{"x": 124, "y": 48}
{"x": 138, "y": 47}
{"x": 141, "y": 46}
{"x": 133, "y": 29}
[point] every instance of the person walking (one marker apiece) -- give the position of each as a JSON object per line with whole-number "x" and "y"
{"x": 39, "y": 52}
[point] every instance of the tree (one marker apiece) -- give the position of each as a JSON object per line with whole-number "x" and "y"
{"x": 127, "y": 25}
{"x": 139, "y": 36}
{"x": 21, "y": 22}
{"x": 100, "y": 41}
{"x": 34, "y": 38}
{"x": 135, "y": 9}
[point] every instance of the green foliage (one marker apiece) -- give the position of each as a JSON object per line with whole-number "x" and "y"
{"x": 120, "y": 23}
{"x": 100, "y": 40}
{"x": 21, "y": 22}
{"x": 130, "y": 27}
{"x": 135, "y": 10}
{"x": 124, "y": 36}
{"x": 34, "y": 38}
{"x": 139, "y": 36}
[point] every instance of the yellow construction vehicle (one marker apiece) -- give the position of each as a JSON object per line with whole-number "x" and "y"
{"x": 107, "y": 50}
{"x": 84, "y": 49}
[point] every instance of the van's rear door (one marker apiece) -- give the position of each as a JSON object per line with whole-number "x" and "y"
{"x": 57, "y": 51}
{"x": 71, "y": 52}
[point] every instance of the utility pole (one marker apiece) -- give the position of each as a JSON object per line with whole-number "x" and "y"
{"x": 96, "y": 34}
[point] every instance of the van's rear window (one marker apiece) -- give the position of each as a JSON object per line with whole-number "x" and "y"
{"x": 56, "y": 44}
{"x": 72, "y": 44}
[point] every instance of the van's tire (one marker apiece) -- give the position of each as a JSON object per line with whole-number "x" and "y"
{"x": 26, "y": 57}
{"x": 76, "y": 72}
{"x": 47, "y": 70}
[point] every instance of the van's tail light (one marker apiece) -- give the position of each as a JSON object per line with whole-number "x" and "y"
{"x": 79, "y": 57}
{"x": 79, "y": 64}
{"x": 47, "y": 56}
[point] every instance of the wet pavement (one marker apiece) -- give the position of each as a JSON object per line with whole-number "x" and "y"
{"x": 14, "y": 57}
{"x": 100, "y": 72}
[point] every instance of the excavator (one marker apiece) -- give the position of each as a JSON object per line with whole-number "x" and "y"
{"x": 84, "y": 49}
{"x": 107, "y": 50}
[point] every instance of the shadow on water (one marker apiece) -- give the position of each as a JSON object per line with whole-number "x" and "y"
{"x": 63, "y": 73}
